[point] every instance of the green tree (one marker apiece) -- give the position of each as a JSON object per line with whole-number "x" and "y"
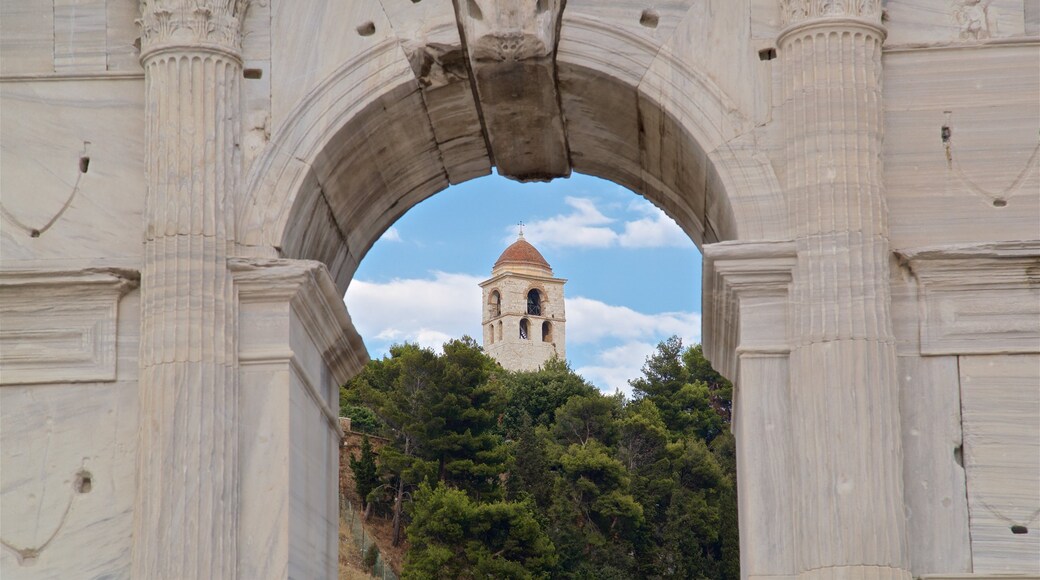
{"x": 441, "y": 412}
{"x": 593, "y": 515}
{"x": 366, "y": 474}
{"x": 465, "y": 441}
{"x": 720, "y": 388}
{"x": 453, "y": 536}
{"x": 362, "y": 419}
{"x": 539, "y": 393}
{"x": 684, "y": 401}
{"x": 529, "y": 472}
{"x": 399, "y": 389}
{"x": 643, "y": 450}
{"x": 689, "y": 536}
{"x": 585, "y": 418}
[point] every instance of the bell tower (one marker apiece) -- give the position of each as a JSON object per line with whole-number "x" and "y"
{"x": 523, "y": 315}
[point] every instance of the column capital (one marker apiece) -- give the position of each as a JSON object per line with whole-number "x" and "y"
{"x": 207, "y": 25}
{"x": 798, "y": 11}
{"x": 800, "y": 14}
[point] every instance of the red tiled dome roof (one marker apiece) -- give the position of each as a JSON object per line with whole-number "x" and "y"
{"x": 522, "y": 253}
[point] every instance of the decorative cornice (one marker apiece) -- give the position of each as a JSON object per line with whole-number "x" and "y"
{"x": 798, "y": 11}
{"x": 977, "y": 299}
{"x": 214, "y": 25}
{"x": 760, "y": 272}
{"x": 61, "y": 326}
{"x": 306, "y": 285}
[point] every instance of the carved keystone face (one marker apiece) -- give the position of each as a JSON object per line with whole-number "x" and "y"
{"x": 509, "y": 30}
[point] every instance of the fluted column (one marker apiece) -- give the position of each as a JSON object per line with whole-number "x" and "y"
{"x": 844, "y": 392}
{"x": 187, "y": 496}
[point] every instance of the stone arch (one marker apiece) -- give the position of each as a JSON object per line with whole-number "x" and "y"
{"x": 360, "y": 149}
{"x": 535, "y": 301}
{"x": 494, "y": 303}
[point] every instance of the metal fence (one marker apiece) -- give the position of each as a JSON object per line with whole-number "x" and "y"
{"x": 362, "y": 540}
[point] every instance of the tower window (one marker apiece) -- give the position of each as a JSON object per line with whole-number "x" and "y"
{"x": 499, "y": 335}
{"x": 523, "y": 329}
{"x": 495, "y": 304}
{"x": 534, "y": 302}
{"x": 491, "y": 334}
{"x": 546, "y": 331}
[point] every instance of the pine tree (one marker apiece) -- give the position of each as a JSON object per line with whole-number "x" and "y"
{"x": 366, "y": 474}
{"x": 453, "y": 536}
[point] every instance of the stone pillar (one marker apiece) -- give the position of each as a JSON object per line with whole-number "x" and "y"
{"x": 187, "y": 496}
{"x": 746, "y": 287}
{"x": 844, "y": 393}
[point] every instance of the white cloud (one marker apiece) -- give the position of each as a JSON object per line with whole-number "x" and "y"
{"x": 589, "y": 321}
{"x": 587, "y": 227}
{"x": 657, "y": 231}
{"x": 615, "y": 366}
{"x": 424, "y": 310}
{"x": 391, "y": 235}
{"x": 583, "y": 227}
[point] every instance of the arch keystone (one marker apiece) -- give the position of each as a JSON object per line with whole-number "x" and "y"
{"x": 511, "y": 48}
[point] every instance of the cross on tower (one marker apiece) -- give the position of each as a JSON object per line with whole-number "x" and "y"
{"x": 521, "y": 224}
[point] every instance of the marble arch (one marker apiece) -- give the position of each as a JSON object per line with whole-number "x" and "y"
{"x": 714, "y": 182}
{"x": 188, "y": 186}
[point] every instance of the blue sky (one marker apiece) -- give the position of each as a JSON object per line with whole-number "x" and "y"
{"x": 633, "y": 275}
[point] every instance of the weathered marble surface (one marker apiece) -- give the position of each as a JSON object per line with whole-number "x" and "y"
{"x": 101, "y": 224}
{"x": 343, "y": 115}
{"x": 298, "y": 345}
{"x": 949, "y": 195}
{"x": 51, "y": 437}
{"x": 1000, "y": 401}
{"x": 747, "y": 306}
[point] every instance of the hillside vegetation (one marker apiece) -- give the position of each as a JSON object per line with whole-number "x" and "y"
{"x": 498, "y": 474}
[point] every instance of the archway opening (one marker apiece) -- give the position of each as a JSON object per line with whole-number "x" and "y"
{"x": 365, "y": 148}
{"x": 607, "y": 242}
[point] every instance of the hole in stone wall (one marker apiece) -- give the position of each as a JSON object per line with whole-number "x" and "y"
{"x": 34, "y": 233}
{"x": 999, "y": 203}
{"x": 958, "y": 455}
{"x": 649, "y": 18}
{"x": 1016, "y": 529}
{"x": 84, "y": 482}
{"x": 767, "y": 54}
{"x": 84, "y": 164}
{"x": 474, "y": 10}
{"x": 367, "y": 29}
{"x": 252, "y": 73}
{"x": 542, "y": 7}
{"x": 945, "y": 133}
{"x": 27, "y": 557}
